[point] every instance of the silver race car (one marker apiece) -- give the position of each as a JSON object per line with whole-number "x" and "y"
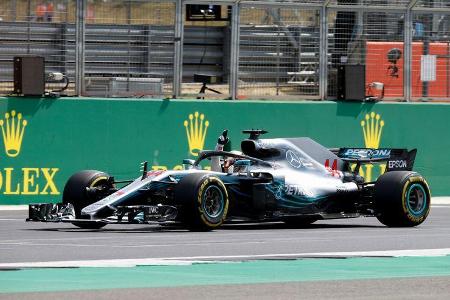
{"x": 295, "y": 180}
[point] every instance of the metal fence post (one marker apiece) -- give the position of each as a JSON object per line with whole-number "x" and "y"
{"x": 407, "y": 84}
{"x": 234, "y": 59}
{"x": 323, "y": 51}
{"x": 80, "y": 26}
{"x": 178, "y": 49}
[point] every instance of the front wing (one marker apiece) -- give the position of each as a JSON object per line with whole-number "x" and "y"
{"x": 65, "y": 213}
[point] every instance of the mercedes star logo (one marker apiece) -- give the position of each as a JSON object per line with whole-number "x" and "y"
{"x": 293, "y": 159}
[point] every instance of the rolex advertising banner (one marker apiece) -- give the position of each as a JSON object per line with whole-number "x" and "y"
{"x": 44, "y": 141}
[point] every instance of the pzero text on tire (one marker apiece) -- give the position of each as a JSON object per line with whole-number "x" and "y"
{"x": 402, "y": 199}
{"x": 205, "y": 201}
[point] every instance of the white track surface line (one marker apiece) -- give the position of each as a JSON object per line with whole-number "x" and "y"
{"x": 13, "y": 207}
{"x": 440, "y": 201}
{"x": 434, "y": 201}
{"x": 182, "y": 261}
{"x": 113, "y": 263}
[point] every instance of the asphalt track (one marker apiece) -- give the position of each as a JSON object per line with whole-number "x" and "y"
{"x": 263, "y": 261}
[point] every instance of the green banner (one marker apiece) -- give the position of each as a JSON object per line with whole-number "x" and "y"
{"x": 44, "y": 141}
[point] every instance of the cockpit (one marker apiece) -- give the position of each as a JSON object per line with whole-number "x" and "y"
{"x": 229, "y": 162}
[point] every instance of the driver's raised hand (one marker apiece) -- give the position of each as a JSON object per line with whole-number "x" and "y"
{"x": 223, "y": 139}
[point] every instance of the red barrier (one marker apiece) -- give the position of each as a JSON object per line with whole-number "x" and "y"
{"x": 379, "y": 69}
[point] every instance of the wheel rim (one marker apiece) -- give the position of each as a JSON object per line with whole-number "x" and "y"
{"x": 213, "y": 201}
{"x": 416, "y": 199}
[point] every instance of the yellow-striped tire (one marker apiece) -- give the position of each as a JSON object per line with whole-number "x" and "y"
{"x": 75, "y": 193}
{"x": 402, "y": 199}
{"x": 204, "y": 199}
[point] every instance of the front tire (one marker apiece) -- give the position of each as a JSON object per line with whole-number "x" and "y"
{"x": 402, "y": 199}
{"x": 75, "y": 193}
{"x": 205, "y": 201}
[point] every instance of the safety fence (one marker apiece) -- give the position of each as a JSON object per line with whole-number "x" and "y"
{"x": 256, "y": 49}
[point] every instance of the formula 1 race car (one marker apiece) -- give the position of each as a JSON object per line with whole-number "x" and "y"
{"x": 295, "y": 180}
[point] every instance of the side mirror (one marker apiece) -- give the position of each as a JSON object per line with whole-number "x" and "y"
{"x": 243, "y": 165}
{"x": 188, "y": 163}
{"x": 243, "y": 162}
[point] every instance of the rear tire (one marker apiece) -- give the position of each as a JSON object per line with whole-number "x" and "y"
{"x": 75, "y": 193}
{"x": 204, "y": 199}
{"x": 402, "y": 199}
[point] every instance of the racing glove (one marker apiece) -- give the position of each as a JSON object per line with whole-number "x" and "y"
{"x": 215, "y": 160}
{"x": 222, "y": 140}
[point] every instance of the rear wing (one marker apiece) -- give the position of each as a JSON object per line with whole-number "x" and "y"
{"x": 396, "y": 159}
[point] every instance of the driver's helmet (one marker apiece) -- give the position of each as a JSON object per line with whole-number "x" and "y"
{"x": 228, "y": 163}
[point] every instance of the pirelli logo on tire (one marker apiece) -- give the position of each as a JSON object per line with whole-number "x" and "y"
{"x": 29, "y": 180}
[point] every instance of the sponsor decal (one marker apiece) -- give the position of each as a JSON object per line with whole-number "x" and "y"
{"x": 372, "y": 128}
{"x": 296, "y": 190}
{"x": 333, "y": 169}
{"x": 297, "y": 161}
{"x": 397, "y": 164}
{"x": 196, "y": 129}
{"x": 25, "y": 181}
{"x": 153, "y": 210}
{"x": 176, "y": 167}
{"x": 13, "y": 128}
{"x": 367, "y": 153}
{"x": 293, "y": 159}
{"x": 154, "y": 173}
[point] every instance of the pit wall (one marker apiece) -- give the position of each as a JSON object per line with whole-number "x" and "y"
{"x": 48, "y": 140}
